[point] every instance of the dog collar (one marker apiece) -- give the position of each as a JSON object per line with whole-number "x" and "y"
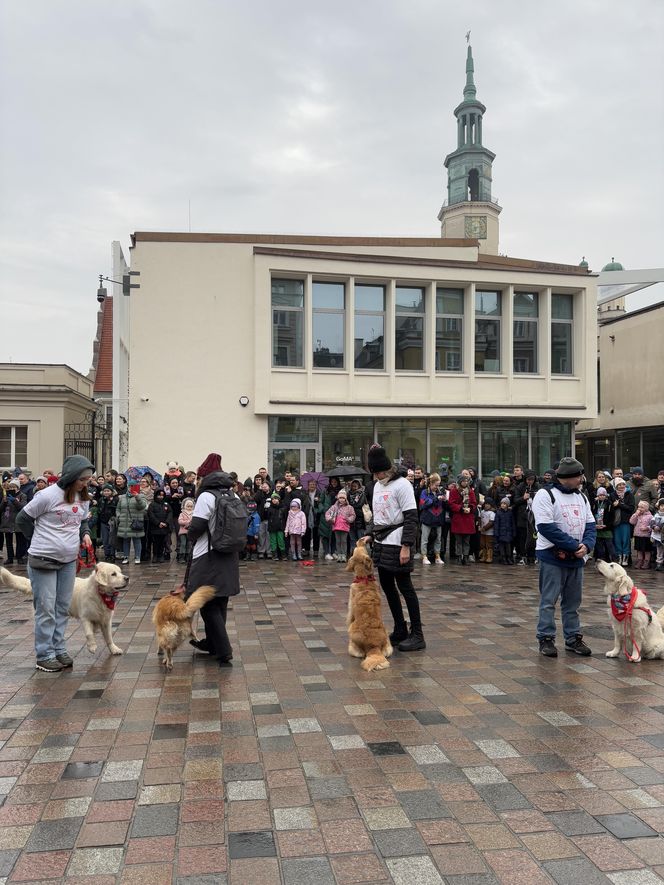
{"x": 623, "y": 606}
{"x": 109, "y": 599}
{"x": 367, "y": 579}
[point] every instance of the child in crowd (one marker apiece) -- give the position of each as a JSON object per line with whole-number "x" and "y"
{"x": 431, "y": 510}
{"x": 160, "y": 518}
{"x": 504, "y": 531}
{"x": 657, "y": 534}
{"x": 641, "y": 520}
{"x": 276, "y": 520}
{"x": 296, "y": 526}
{"x": 487, "y": 517}
{"x": 341, "y": 516}
{"x": 106, "y": 512}
{"x": 603, "y": 512}
{"x": 184, "y": 521}
{"x": 253, "y": 528}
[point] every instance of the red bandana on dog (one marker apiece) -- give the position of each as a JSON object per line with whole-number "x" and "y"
{"x": 109, "y": 599}
{"x": 622, "y": 606}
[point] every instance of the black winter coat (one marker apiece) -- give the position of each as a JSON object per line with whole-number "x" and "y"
{"x": 520, "y": 505}
{"x": 503, "y": 527}
{"x": 276, "y": 517}
{"x": 158, "y": 512}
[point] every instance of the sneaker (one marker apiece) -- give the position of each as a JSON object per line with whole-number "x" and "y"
{"x": 521, "y": 562}
{"x": 439, "y": 561}
{"x": 329, "y": 557}
{"x": 49, "y": 665}
{"x": 548, "y": 648}
{"x": 65, "y": 659}
{"x": 124, "y": 561}
{"x": 417, "y": 556}
{"x": 137, "y": 562}
{"x": 578, "y": 646}
{"x": 426, "y": 560}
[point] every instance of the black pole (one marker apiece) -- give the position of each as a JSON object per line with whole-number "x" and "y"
{"x": 92, "y": 447}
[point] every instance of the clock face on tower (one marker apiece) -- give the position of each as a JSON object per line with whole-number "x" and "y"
{"x": 475, "y": 227}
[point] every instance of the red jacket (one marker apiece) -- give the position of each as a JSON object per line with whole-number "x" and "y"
{"x": 462, "y": 523}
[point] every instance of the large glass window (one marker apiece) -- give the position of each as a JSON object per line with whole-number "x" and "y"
{"x": 653, "y": 451}
{"x": 453, "y": 443}
{"x": 551, "y": 441}
{"x": 409, "y": 329}
{"x": 13, "y": 446}
{"x": 449, "y": 330}
{"x": 628, "y": 452}
{"x": 369, "y": 335}
{"x": 488, "y": 310}
{"x": 504, "y": 444}
{"x": 288, "y": 323}
{"x": 404, "y": 440}
{"x": 293, "y": 428}
{"x": 526, "y": 313}
{"x": 346, "y": 441}
{"x": 562, "y": 317}
{"x": 328, "y": 306}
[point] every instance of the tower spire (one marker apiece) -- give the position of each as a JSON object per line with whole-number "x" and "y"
{"x": 469, "y": 91}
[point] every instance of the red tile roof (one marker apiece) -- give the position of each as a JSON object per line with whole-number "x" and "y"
{"x": 103, "y": 367}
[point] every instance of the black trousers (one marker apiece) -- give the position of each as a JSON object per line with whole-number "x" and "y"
{"x": 9, "y": 541}
{"x": 214, "y": 618}
{"x": 158, "y": 542}
{"x": 390, "y": 581}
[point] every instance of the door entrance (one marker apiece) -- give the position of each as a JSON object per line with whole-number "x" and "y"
{"x": 296, "y": 458}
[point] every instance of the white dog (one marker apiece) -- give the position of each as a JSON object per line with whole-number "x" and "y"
{"x": 639, "y": 629}
{"x": 93, "y": 601}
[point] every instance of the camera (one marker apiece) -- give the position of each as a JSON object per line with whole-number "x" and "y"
{"x": 101, "y": 294}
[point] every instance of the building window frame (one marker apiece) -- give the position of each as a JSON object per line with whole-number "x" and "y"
{"x": 362, "y": 312}
{"x": 445, "y": 317}
{"x": 520, "y": 321}
{"x": 482, "y": 316}
{"x": 567, "y": 323}
{"x": 419, "y": 316}
{"x": 16, "y": 458}
{"x": 285, "y": 312}
{"x": 328, "y": 311}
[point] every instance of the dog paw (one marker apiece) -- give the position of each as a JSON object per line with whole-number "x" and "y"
{"x": 613, "y": 653}
{"x": 91, "y": 647}
{"x": 635, "y": 659}
{"x": 115, "y": 650}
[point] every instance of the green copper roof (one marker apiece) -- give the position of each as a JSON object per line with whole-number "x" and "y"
{"x": 613, "y": 265}
{"x": 469, "y": 91}
{"x": 583, "y": 262}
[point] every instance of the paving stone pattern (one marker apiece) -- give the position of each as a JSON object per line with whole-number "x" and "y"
{"x": 474, "y": 762}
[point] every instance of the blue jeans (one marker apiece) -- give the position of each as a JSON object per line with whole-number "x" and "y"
{"x": 622, "y": 540}
{"x": 567, "y": 583}
{"x": 51, "y": 597}
{"x": 109, "y": 550}
{"x": 138, "y": 546}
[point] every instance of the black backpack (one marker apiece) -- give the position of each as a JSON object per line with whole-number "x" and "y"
{"x": 227, "y": 528}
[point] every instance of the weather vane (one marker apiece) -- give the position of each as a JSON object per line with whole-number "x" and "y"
{"x": 467, "y": 36}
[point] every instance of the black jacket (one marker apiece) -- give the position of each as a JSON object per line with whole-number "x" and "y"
{"x": 520, "y": 504}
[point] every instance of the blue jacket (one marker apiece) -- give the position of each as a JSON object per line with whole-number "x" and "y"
{"x": 503, "y": 526}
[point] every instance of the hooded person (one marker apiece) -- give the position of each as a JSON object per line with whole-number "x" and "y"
{"x": 56, "y": 522}
{"x": 394, "y": 534}
{"x": 209, "y": 566}
{"x": 296, "y": 527}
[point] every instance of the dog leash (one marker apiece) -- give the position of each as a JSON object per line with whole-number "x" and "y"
{"x": 622, "y": 608}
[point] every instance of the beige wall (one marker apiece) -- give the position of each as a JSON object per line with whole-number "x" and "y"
{"x": 44, "y": 398}
{"x": 201, "y": 338}
{"x": 631, "y": 388}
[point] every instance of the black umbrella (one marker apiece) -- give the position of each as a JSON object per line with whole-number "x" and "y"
{"x": 347, "y": 470}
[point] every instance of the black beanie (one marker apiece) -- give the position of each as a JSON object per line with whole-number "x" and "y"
{"x": 568, "y": 467}
{"x": 377, "y": 459}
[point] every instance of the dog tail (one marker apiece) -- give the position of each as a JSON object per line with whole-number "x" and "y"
{"x": 660, "y": 616}
{"x": 375, "y": 660}
{"x": 14, "y": 582}
{"x": 198, "y": 599}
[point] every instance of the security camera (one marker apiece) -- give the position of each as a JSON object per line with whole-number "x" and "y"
{"x": 101, "y": 294}
{"x": 145, "y": 399}
{"x": 98, "y": 401}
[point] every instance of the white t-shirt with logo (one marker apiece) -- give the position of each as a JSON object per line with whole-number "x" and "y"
{"x": 57, "y": 533}
{"x": 569, "y": 512}
{"x": 389, "y": 503}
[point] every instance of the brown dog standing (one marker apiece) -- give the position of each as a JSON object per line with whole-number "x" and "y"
{"x": 367, "y": 636}
{"x": 172, "y": 620}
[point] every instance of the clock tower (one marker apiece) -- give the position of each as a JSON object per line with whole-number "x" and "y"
{"x": 469, "y": 210}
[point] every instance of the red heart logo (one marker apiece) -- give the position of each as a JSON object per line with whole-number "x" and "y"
{"x": 385, "y": 497}
{"x": 74, "y": 509}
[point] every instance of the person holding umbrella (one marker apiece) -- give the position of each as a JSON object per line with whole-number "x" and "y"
{"x": 394, "y": 534}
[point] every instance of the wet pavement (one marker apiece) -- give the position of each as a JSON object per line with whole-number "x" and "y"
{"x": 474, "y": 762}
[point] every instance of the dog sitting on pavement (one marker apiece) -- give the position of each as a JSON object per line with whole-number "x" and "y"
{"x": 92, "y": 603}
{"x": 636, "y": 628}
{"x": 367, "y": 636}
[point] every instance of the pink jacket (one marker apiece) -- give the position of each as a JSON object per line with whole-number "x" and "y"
{"x": 641, "y": 523}
{"x": 184, "y": 519}
{"x": 341, "y": 517}
{"x": 296, "y": 523}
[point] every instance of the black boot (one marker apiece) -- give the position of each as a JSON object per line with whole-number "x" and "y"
{"x": 399, "y": 634}
{"x": 415, "y": 641}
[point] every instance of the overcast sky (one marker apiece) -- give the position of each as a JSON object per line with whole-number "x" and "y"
{"x": 315, "y": 118}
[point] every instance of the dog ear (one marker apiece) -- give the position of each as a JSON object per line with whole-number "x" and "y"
{"x": 101, "y": 578}
{"x": 350, "y": 565}
{"x": 625, "y": 585}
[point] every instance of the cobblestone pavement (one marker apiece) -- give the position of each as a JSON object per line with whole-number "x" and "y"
{"x": 474, "y": 762}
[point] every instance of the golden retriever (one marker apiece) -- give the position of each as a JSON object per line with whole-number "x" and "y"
{"x": 367, "y": 637}
{"x": 172, "y": 621}
{"x": 92, "y": 603}
{"x": 643, "y": 637}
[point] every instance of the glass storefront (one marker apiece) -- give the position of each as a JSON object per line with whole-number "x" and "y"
{"x": 486, "y": 444}
{"x": 625, "y": 449}
{"x": 628, "y": 449}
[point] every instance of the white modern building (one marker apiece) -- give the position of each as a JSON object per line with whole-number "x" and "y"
{"x": 301, "y": 351}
